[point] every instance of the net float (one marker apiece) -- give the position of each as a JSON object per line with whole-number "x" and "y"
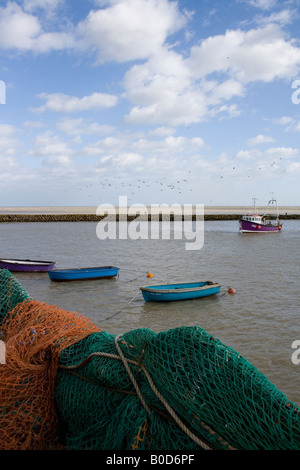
{"x": 231, "y": 290}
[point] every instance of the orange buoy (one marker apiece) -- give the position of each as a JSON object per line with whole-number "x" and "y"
{"x": 149, "y": 275}
{"x": 231, "y": 290}
{"x": 258, "y": 227}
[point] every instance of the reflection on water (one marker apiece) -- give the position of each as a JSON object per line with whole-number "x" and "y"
{"x": 260, "y": 321}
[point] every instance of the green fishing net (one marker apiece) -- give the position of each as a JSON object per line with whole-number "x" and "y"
{"x": 205, "y": 395}
{"x": 11, "y": 293}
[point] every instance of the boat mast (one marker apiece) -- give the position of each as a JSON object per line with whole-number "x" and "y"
{"x": 273, "y": 201}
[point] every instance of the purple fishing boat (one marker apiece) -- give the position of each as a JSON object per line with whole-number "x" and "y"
{"x": 266, "y": 223}
{"x": 26, "y": 265}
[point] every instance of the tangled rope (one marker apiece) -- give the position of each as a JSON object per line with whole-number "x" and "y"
{"x": 141, "y": 367}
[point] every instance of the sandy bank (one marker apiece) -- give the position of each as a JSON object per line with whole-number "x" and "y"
{"x": 91, "y": 210}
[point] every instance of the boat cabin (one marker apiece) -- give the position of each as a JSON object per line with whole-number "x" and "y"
{"x": 252, "y": 218}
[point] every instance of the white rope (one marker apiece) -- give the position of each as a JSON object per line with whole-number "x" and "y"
{"x": 125, "y": 363}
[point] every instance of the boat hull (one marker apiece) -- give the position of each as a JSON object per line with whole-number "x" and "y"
{"x": 184, "y": 291}
{"x": 79, "y": 274}
{"x": 252, "y": 227}
{"x": 26, "y": 265}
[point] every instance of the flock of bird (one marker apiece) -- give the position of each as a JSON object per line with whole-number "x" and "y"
{"x": 134, "y": 188}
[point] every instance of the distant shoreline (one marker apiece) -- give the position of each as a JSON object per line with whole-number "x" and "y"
{"x": 88, "y": 213}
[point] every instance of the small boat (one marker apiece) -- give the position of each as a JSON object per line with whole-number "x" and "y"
{"x": 78, "y": 274}
{"x": 183, "y": 291}
{"x": 26, "y": 265}
{"x": 266, "y": 223}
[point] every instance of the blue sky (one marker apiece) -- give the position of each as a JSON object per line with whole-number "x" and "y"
{"x": 176, "y": 102}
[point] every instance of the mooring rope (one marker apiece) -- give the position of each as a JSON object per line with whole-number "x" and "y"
{"x": 117, "y": 313}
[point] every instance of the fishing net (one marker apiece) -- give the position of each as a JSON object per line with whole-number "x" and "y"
{"x": 34, "y": 335}
{"x": 67, "y": 384}
{"x": 11, "y": 293}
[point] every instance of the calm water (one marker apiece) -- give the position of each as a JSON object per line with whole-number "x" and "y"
{"x": 260, "y": 321}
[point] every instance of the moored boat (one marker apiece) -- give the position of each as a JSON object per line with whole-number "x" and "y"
{"x": 26, "y": 265}
{"x": 182, "y": 291}
{"x": 265, "y": 223}
{"x": 77, "y": 274}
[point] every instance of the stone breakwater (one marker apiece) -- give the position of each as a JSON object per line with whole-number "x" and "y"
{"x": 8, "y": 218}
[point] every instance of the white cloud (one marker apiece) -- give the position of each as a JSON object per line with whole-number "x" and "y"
{"x": 8, "y": 142}
{"x": 282, "y": 152}
{"x": 107, "y": 145}
{"x": 124, "y": 159}
{"x": 284, "y": 120}
{"x": 226, "y": 90}
{"x": 32, "y": 124}
{"x": 296, "y": 127}
{"x": 248, "y": 154}
{"x": 174, "y": 110}
{"x": 81, "y": 126}
{"x": 49, "y": 145}
{"x": 282, "y": 17}
{"x": 130, "y": 29}
{"x": 263, "y": 4}
{"x": 293, "y": 168}
{"x": 58, "y": 162}
{"x": 169, "y": 146}
{"x": 62, "y": 103}
{"x": 122, "y": 30}
{"x": 161, "y": 131}
{"x": 23, "y": 31}
{"x": 53, "y": 41}
{"x": 172, "y": 90}
{"x": 259, "y": 139}
{"x": 17, "y": 29}
{"x": 270, "y": 155}
{"x": 31, "y": 5}
{"x": 6, "y": 130}
{"x": 9, "y": 170}
{"x": 225, "y": 111}
{"x": 257, "y": 54}
{"x": 163, "y": 92}
{"x": 292, "y": 125}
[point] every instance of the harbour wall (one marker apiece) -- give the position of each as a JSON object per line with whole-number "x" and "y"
{"x": 15, "y": 218}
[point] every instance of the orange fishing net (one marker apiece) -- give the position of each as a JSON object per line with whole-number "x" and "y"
{"x": 34, "y": 334}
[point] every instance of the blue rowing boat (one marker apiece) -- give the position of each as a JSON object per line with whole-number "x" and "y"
{"x": 78, "y": 274}
{"x": 184, "y": 291}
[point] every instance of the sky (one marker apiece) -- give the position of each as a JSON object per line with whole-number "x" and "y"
{"x": 159, "y": 101}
